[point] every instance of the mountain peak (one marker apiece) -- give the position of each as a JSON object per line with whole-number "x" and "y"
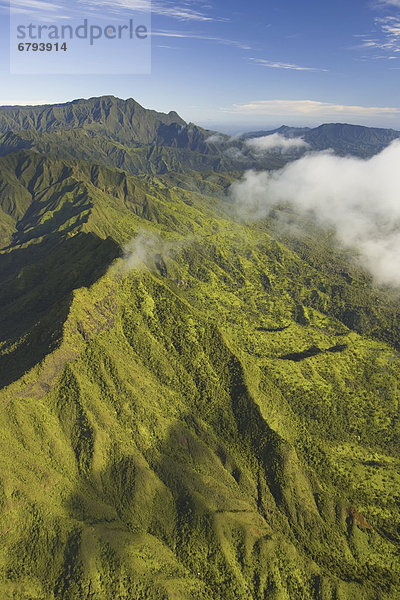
{"x": 123, "y": 120}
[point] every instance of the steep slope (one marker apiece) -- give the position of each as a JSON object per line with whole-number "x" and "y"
{"x": 202, "y": 423}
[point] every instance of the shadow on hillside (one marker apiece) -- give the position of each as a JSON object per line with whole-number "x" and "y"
{"x": 313, "y": 351}
{"x": 36, "y": 294}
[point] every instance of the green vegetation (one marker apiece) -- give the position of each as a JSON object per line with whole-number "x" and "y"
{"x": 208, "y": 412}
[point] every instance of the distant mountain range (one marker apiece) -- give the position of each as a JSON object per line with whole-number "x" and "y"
{"x": 340, "y": 137}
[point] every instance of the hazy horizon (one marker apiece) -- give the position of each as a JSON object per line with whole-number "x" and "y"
{"x": 227, "y": 127}
{"x": 239, "y": 67}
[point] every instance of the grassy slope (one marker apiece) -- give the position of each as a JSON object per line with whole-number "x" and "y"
{"x": 201, "y": 427}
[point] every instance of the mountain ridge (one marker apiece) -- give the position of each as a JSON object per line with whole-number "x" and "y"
{"x": 92, "y": 110}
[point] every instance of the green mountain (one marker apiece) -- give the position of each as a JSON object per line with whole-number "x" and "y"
{"x": 123, "y": 120}
{"x": 193, "y": 407}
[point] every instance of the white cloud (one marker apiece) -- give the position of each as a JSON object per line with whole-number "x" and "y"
{"x": 358, "y": 198}
{"x": 275, "y": 142}
{"x": 282, "y": 65}
{"x": 309, "y": 108}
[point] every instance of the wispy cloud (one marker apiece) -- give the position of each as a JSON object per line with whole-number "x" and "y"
{"x": 308, "y": 108}
{"x": 198, "y": 36}
{"x": 43, "y": 10}
{"x": 390, "y": 29}
{"x": 31, "y": 6}
{"x": 36, "y": 5}
{"x": 385, "y": 36}
{"x": 387, "y": 3}
{"x": 182, "y": 11}
{"x": 167, "y": 47}
{"x": 282, "y": 65}
{"x": 166, "y": 8}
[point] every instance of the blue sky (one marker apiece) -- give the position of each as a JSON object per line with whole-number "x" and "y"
{"x": 234, "y": 65}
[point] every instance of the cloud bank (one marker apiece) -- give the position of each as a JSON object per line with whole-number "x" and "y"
{"x": 360, "y": 199}
{"x": 312, "y": 108}
{"x": 275, "y": 142}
